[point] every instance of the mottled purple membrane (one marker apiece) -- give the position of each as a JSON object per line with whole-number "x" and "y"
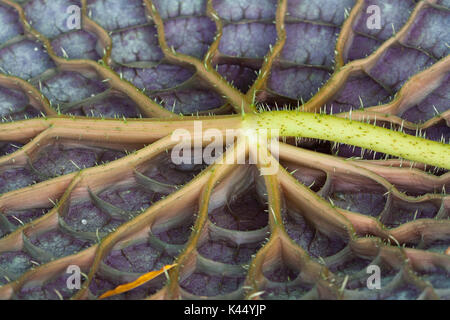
{"x": 280, "y": 272}
{"x": 398, "y": 64}
{"x": 250, "y": 40}
{"x": 139, "y": 44}
{"x": 58, "y": 243}
{"x": 228, "y": 252}
{"x": 359, "y": 92}
{"x": 367, "y": 203}
{"x": 112, "y": 106}
{"x": 165, "y": 171}
{"x": 329, "y": 11}
{"x": 402, "y": 212}
{"x": 86, "y": 217}
{"x": 49, "y": 17}
{"x": 394, "y": 15}
{"x": 16, "y": 178}
{"x": 435, "y": 103}
{"x": 244, "y": 213}
{"x": 20, "y": 217}
{"x": 189, "y": 101}
{"x": 14, "y": 105}
{"x": 191, "y": 36}
{"x": 25, "y": 59}
{"x": 11, "y": 26}
{"x": 138, "y": 258}
{"x": 160, "y": 77}
{"x": 129, "y": 198}
{"x": 13, "y": 264}
{"x": 297, "y": 82}
{"x": 9, "y": 147}
{"x": 53, "y": 289}
{"x": 78, "y": 44}
{"x": 202, "y": 284}
{"x": 175, "y": 8}
{"x": 177, "y": 234}
{"x": 69, "y": 87}
{"x": 240, "y": 77}
{"x": 117, "y": 14}
{"x": 316, "y": 243}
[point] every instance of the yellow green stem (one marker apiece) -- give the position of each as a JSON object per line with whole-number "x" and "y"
{"x": 364, "y": 135}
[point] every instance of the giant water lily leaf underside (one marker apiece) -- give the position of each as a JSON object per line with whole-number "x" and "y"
{"x": 85, "y": 185}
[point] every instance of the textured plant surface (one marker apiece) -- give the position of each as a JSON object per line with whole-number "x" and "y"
{"x": 87, "y": 179}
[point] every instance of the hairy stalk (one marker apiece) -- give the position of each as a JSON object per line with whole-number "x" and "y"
{"x": 289, "y": 123}
{"x": 364, "y": 135}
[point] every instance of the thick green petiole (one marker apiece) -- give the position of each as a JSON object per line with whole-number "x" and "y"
{"x": 368, "y": 136}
